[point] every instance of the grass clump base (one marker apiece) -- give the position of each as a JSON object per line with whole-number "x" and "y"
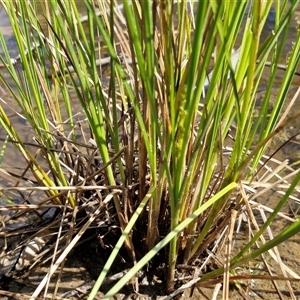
{"x": 146, "y": 127}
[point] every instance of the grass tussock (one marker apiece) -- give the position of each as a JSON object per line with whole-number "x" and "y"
{"x": 145, "y": 117}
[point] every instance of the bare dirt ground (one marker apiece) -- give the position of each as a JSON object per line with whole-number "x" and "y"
{"x": 85, "y": 262}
